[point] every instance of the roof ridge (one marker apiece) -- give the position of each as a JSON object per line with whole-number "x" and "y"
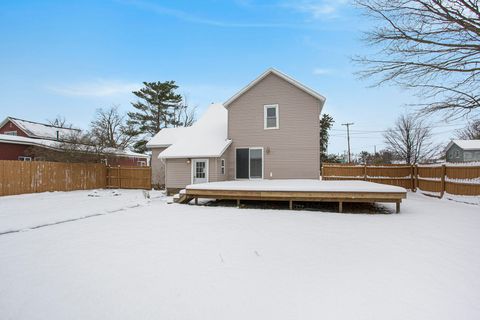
{"x": 43, "y": 124}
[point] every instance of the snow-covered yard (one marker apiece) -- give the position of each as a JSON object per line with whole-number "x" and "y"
{"x": 122, "y": 256}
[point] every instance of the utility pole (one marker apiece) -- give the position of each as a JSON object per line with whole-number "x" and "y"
{"x": 348, "y": 124}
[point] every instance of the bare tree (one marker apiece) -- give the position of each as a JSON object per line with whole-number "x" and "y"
{"x": 431, "y": 46}
{"x": 470, "y": 132}
{"x": 411, "y": 140}
{"x": 60, "y": 121}
{"x": 77, "y": 148}
{"x": 109, "y": 129}
{"x": 183, "y": 115}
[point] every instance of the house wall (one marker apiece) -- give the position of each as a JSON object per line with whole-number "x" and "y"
{"x": 292, "y": 151}
{"x": 179, "y": 173}
{"x": 457, "y": 154}
{"x": 9, "y": 151}
{"x": 10, "y": 126}
{"x": 126, "y": 161}
{"x": 158, "y": 168}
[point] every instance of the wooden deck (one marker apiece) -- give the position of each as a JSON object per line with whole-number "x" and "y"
{"x": 230, "y": 192}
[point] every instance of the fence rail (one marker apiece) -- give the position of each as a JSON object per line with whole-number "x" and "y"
{"x": 455, "y": 180}
{"x": 18, "y": 177}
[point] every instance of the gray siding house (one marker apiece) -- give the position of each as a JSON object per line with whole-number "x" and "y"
{"x": 268, "y": 130}
{"x": 463, "y": 151}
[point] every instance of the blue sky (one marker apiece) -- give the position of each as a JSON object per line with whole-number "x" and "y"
{"x": 70, "y": 57}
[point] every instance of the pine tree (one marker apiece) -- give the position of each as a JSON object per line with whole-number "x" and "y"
{"x": 326, "y": 123}
{"x": 156, "y": 108}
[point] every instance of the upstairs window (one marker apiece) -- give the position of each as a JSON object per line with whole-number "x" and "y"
{"x": 11, "y": 133}
{"x": 271, "y": 120}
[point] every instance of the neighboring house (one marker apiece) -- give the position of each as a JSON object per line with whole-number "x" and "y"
{"x": 463, "y": 151}
{"x": 18, "y": 136}
{"x": 268, "y": 130}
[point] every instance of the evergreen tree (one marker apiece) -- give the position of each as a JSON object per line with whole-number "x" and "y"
{"x": 326, "y": 123}
{"x": 156, "y": 109}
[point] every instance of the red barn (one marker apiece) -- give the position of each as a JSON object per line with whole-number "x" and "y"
{"x": 17, "y": 137}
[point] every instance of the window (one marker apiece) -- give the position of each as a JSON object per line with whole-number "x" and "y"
{"x": 457, "y": 154}
{"x": 22, "y": 158}
{"x": 11, "y": 133}
{"x": 142, "y": 163}
{"x": 256, "y": 156}
{"x": 222, "y": 166}
{"x": 270, "y": 114}
{"x": 249, "y": 163}
{"x": 468, "y": 155}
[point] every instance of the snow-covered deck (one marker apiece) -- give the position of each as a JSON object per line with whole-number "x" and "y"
{"x": 296, "y": 190}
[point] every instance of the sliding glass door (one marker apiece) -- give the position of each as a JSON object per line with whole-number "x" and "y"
{"x": 249, "y": 163}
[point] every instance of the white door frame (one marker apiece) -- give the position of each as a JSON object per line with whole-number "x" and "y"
{"x": 193, "y": 169}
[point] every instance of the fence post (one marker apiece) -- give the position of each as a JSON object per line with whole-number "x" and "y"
{"x": 119, "y": 172}
{"x": 412, "y": 177}
{"x": 442, "y": 180}
{"x": 365, "y": 172}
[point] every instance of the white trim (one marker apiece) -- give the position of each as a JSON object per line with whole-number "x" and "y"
{"x": 24, "y": 158}
{"x": 284, "y": 77}
{"x": 235, "y": 163}
{"x": 207, "y": 164}
{"x": 277, "y": 116}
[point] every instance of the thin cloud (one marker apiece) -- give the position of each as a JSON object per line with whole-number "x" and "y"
{"x": 321, "y": 71}
{"x": 97, "y": 88}
{"x": 191, "y": 18}
{"x": 317, "y": 9}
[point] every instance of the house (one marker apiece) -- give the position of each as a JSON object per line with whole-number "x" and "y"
{"x": 268, "y": 130}
{"x": 19, "y": 138}
{"x": 463, "y": 151}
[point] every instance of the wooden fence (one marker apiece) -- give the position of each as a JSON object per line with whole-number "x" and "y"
{"x": 457, "y": 180}
{"x": 18, "y": 177}
{"x": 129, "y": 177}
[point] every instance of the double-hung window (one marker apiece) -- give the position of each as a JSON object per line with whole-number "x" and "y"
{"x": 222, "y": 166}
{"x": 270, "y": 115}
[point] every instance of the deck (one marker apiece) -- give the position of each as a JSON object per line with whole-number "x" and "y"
{"x": 296, "y": 190}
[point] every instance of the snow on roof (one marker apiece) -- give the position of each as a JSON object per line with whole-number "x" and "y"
{"x": 283, "y": 76}
{"x": 166, "y": 137}
{"x": 206, "y": 138}
{"x": 466, "y": 144}
{"x": 41, "y": 130}
{"x": 6, "y": 138}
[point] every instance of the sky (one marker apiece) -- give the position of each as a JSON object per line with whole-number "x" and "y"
{"x": 69, "y": 58}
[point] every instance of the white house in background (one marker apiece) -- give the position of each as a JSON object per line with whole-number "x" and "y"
{"x": 268, "y": 130}
{"x": 463, "y": 151}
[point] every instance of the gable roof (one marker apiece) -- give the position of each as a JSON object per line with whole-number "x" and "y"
{"x": 40, "y": 130}
{"x": 166, "y": 137}
{"x": 205, "y": 138}
{"x": 284, "y": 77}
{"x": 465, "y": 144}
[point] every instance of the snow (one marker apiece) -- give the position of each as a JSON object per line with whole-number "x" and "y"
{"x": 466, "y": 144}
{"x": 40, "y": 130}
{"x": 206, "y": 138}
{"x": 167, "y": 137}
{"x": 298, "y": 185}
{"x": 55, "y": 144}
{"x": 17, "y": 212}
{"x": 158, "y": 261}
